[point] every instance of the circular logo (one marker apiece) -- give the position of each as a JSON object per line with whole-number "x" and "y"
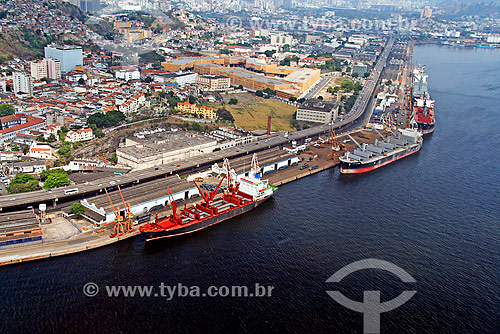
{"x": 90, "y": 289}
{"x": 233, "y": 22}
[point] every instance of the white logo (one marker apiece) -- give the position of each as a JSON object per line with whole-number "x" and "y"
{"x": 371, "y": 307}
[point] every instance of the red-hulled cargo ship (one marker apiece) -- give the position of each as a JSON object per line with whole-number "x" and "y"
{"x": 423, "y": 114}
{"x": 240, "y": 197}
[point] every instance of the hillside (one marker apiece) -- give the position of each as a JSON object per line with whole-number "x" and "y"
{"x": 23, "y": 37}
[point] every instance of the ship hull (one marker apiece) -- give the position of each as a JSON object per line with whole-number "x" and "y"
{"x": 426, "y": 128}
{"x": 358, "y": 168}
{"x": 202, "y": 224}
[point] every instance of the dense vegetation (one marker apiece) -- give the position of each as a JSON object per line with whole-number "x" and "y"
{"x": 109, "y": 119}
{"x": 22, "y": 183}
{"x": 152, "y": 57}
{"x": 224, "y": 114}
{"x": 6, "y": 109}
{"x": 77, "y": 208}
{"x": 56, "y": 179}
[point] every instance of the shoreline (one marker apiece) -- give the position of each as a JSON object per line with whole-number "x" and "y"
{"x": 91, "y": 239}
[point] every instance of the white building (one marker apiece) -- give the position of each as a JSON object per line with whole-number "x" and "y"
{"x": 79, "y": 135}
{"x": 30, "y": 123}
{"x": 127, "y": 74}
{"x": 214, "y": 82}
{"x": 69, "y": 56}
{"x": 40, "y": 151}
{"x": 317, "y": 111}
{"x": 23, "y": 83}
{"x": 493, "y": 39}
{"x": 186, "y": 78}
{"x": 280, "y": 39}
{"x": 133, "y": 104}
{"x": 46, "y": 68}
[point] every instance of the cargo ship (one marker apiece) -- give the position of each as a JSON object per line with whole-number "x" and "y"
{"x": 423, "y": 106}
{"x": 368, "y": 157}
{"x": 239, "y": 197}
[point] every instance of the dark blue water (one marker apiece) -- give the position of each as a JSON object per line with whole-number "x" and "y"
{"x": 435, "y": 214}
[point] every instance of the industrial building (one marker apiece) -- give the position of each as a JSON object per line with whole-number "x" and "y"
{"x": 317, "y": 111}
{"x": 145, "y": 150}
{"x": 253, "y": 74}
{"x": 21, "y": 227}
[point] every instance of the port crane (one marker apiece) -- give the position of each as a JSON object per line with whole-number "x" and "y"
{"x": 128, "y": 225}
{"x": 335, "y": 146}
{"x": 118, "y": 228}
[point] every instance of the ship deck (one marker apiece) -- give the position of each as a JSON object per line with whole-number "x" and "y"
{"x": 188, "y": 216}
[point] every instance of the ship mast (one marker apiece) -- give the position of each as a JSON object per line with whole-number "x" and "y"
{"x": 255, "y": 168}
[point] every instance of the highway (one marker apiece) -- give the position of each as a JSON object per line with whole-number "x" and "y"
{"x": 317, "y": 87}
{"x": 92, "y": 188}
{"x": 154, "y": 189}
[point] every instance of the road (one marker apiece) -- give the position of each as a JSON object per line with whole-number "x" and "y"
{"x": 350, "y": 121}
{"x": 318, "y": 86}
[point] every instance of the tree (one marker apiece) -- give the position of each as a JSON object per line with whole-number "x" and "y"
{"x": 269, "y": 91}
{"x": 15, "y": 148}
{"x": 46, "y": 173}
{"x": 23, "y": 183}
{"x": 330, "y": 90}
{"x": 233, "y": 101}
{"x": 77, "y": 208}
{"x": 151, "y": 57}
{"x": 114, "y": 158}
{"x": 240, "y": 87}
{"x": 388, "y": 82}
{"x": 224, "y": 114}
{"x": 40, "y": 138}
{"x": 292, "y": 98}
{"x": 192, "y": 99}
{"x": 269, "y": 53}
{"x": 111, "y": 118}
{"x": 6, "y": 109}
{"x": 347, "y": 85}
{"x": 259, "y": 93}
{"x": 366, "y": 75}
{"x": 21, "y": 178}
{"x": 81, "y": 81}
{"x": 61, "y": 135}
{"x": 348, "y": 69}
{"x": 196, "y": 126}
{"x": 98, "y": 133}
{"x": 355, "y": 75}
{"x": 31, "y": 185}
{"x": 52, "y": 138}
{"x": 56, "y": 180}
{"x": 148, "y": 79}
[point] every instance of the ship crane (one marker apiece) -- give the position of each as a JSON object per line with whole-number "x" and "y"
{"x": 355, "y": 142}
{"x": 255, "y": 168}
{"x": 208, "y": 197}
{"x": 381, "y": 135}
{"x": 230, "y": 174}
{"x": 173, "y": 204}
